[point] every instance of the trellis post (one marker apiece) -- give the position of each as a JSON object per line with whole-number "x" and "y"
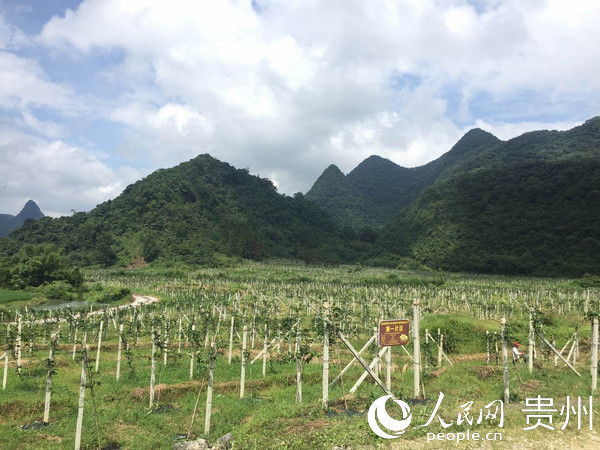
{"x": 416, "y": 352}
{"x": 505, "y": 360}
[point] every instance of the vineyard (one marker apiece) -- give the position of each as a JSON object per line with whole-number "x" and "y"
{"x": 275, "y": 354}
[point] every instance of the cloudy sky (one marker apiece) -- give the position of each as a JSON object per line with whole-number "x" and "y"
{"x": 95, "y": 94}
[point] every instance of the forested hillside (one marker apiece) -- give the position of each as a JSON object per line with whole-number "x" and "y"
{"x": 378, "y": 189}
{"x": 194, "y": 212}
{"x": 529, "y": 205}
{"x": 334, "y": 193}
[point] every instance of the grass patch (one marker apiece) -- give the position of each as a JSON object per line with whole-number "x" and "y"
{"x": 9, "y": 296}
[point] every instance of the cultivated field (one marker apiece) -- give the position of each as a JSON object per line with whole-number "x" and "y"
{"x": 183, "y": 368}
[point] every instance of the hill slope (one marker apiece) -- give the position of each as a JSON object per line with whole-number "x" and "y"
{"x": 528, "y": 205}
{"x": 9, "y": 222}
{"x": 382, "y": 188}
{"x": 332, "y": 192}
{"x": 191, "y": 212}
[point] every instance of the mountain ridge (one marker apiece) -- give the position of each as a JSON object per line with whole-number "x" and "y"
{"x": 9, "y": 222}
{"x": 527, "y": 205}
{"x": 195, "y": 212}
{"x": 384, "y": 187}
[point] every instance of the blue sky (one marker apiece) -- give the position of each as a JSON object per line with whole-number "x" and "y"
{"x": 96, "y": 94}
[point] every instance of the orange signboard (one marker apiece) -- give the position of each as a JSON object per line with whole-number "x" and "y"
{"x": 393, "y": 332}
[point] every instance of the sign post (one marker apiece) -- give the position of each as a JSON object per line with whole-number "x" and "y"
{"x": 392, "y": 333}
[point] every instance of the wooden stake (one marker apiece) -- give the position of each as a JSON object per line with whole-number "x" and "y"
{"x": 18, "y": 345}
{"x": 179, "y": 338}
{"x": 209, "y": 392}
{"x": 325, "y": 397}
{"x": 166, "y": 343}
{"x": 556, "y": 352}
{"x": 487, "y": 347}
{"x": 81, "y": 392}
{"x": 440, "y": 349}
{"x": 345, "y": 369}
{"x": 375, "y": 354}
{"x": 531, "y": 343}
{"x": 576, "y": 352}
{"x": 371, "y": 366}
{"x": 243, "y": 373}
{"x": 153, "y": 369}
{"x": 5, "y": 375}
{"x": 99, "y": 345}
{"x": 192, "y": 355}
{"x": 594, "y": 364}
{"x": 118, "y": 374}
{"x": 388, "y": 368}
{"x": 265, "y": 346}
{"x": 231, "y": 339}
{"x": 298, "y": 370}
{"x": 53, "y": 341}
{"x": 440, "y": 352}
{"x": 416, "y": 352}
{"x": 571, "y": 352}
{"x": 428, "y": 353}
{"x": 505, "y": 360}
{"x": 74, "y": 343}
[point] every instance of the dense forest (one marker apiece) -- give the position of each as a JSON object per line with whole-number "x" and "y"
{"x": 523, "y": 206}
{"x": 533, "y": 217}
{"x": 196, "y": 212}
{"x": 376, "y": 190}
{"x": 527, "y": 205}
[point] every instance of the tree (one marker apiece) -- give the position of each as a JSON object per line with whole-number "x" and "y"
{"x": 37, "y": 265}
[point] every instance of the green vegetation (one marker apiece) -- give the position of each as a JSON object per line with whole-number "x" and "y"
{"x": 9, "y": 296}
{"x": 276, "y": 295}
{"x": 333, "y": 192}
{"x": 524, "y": 206}
{"x": 42, "y": 273}
{"x": 526, "y": 218}
{"x": 38, "y": 265}
{"x": 202, "y": 211}
{"x": 377, "y": 189}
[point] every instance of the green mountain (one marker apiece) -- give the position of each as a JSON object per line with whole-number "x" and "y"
{"x": 193, "y": 212}
{"x": 378, "y": 189}
{"x": 384, "y": 187}
{"x": 8, "y": 222}
{"x": 334, "y": 193}
{"x": 528, "y": 205}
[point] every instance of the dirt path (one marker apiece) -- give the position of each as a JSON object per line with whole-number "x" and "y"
{"x": 139, "y": 300}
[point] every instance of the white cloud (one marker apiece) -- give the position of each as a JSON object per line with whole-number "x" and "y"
{"x": 170, "y": 118}
{"x": 46, "y": 128}
{"x": 10, "y": 36}
{"x": 24, "y": 83}
{"x": 306, "y": 83}
{"x": 58, "y": 176}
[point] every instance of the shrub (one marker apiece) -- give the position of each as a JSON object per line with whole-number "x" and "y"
{"x": 588, "y": 281}
{"x": 60, "y": 290}
{"x": 110, "y": 295}
{"x": 37, "y": 265}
